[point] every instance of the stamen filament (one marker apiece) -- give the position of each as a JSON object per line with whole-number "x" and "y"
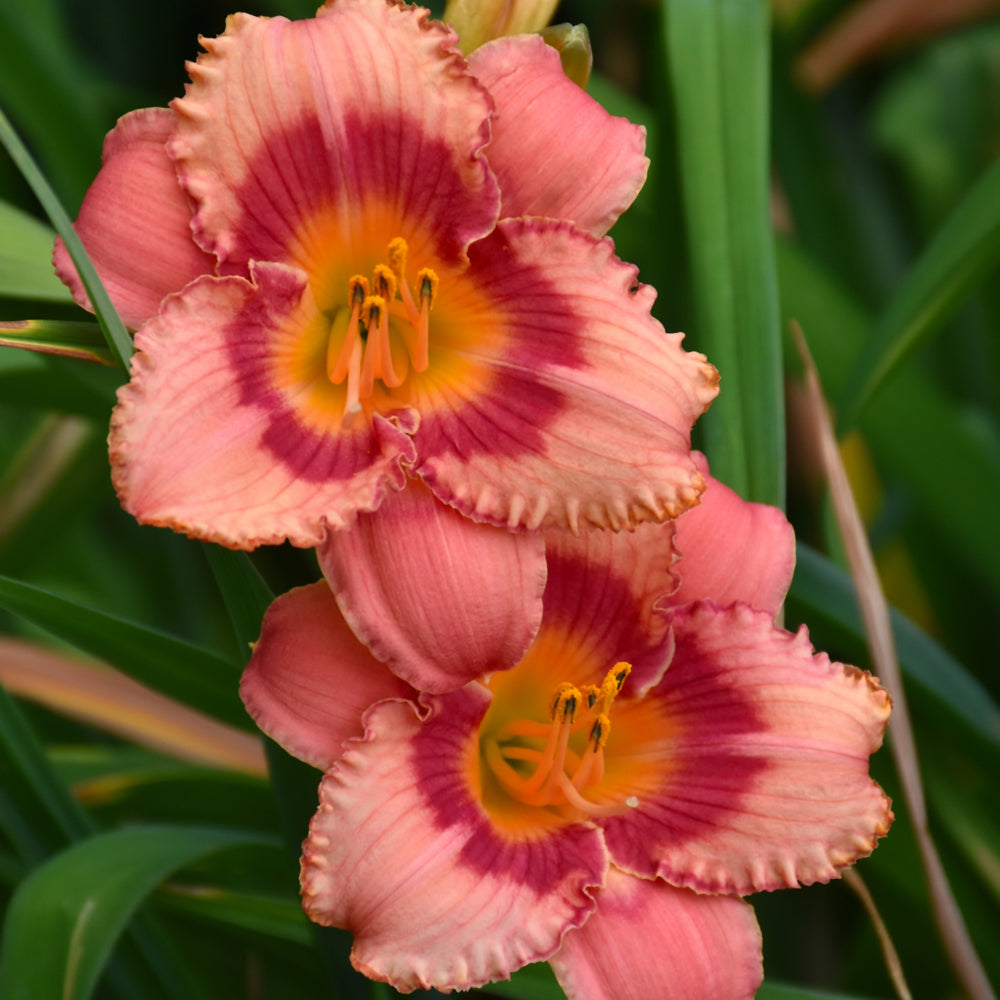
{"x": 428, "y": 291}
{"x": 524, "y": 727}
{"x": 367, "y": 321}
{"x": 357, "y": 292}
{"x": 595, "y": 753}
{"x": 591, "y": 770}
{"x": 551, "y": 773}
{"x": 342, "y": 338}
{"x": 510, "y": 779}
{"x": 371, "y": 359}
{"x": 547, "y": 776}
{"x": 352, "y": 404}
{"x": 574, "y": 798}
{"x": 521, "y": 753}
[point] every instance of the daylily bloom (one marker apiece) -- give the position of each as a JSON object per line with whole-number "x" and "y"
{"x": 601, "y": 801}
{"x": 350, "y": 254}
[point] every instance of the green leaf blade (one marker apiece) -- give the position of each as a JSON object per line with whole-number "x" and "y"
{"x": 965, "y": 248}
{"x": 117, "y": 337}
{"x": 176, "y": 668}
{"x": 719, "y": 58}
{"x": 79, "y": 902}
{"x": 25, "y": 258}
{"x": 826, "y": 592}
{"x": 66, "y": 338}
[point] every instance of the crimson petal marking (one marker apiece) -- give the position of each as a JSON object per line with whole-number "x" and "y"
{"x": 363, "y": 122}
{"x": 602, "y": 587}
{"x": 616, "y": 450}
{"x": 401, "y": 854}
{"x": 618, "y": 577}
{"x": 764, "y": 761}
{"x": 202, "y": 442}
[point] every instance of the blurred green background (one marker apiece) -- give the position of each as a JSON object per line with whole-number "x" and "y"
{"x": 862, "y": 199}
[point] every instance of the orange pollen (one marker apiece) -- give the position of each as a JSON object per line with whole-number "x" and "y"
{"x": 359, "y": 344}
{"x": 536, "y": 763}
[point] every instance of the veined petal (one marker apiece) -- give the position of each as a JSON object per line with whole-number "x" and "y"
{"x": 600, "y": 595}
{"x": 135, "y": 222}
{"x": 310, "y": 681}
{"x": 401, "y": 854}
{"x": 732, "y": 550}
{"x": 759, "y": 750}
{"x": 555, "y": 151}
{"x": 441, "y": 599}
{"x": 316, "y": 142}
{"x": 579, "y": 408}
{"x": 218, "y": 434}
{"x": 649, "y": 939}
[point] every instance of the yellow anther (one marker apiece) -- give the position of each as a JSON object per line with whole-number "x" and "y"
{"x": 372, "y": 309}
{"x": 599, "y": 732}
{"x": 591, "y": 692}
{"x": 427, "y": 281}
{"x": 397, "y": 257}
{"x": 385, "y": 282}
{"x": 360, "y": 347}
{"x": 612, "y": 685}
{"x": 565, "y": 701}
{"x": 619, "y": 672}
{"x": 358, "y": 290}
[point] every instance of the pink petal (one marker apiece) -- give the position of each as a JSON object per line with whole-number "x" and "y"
{"x": 555, "y": 151}
{"x": 319, "y": 141}
{"x": 441, "y": 599}
{"x": 401, "y": 854}
{"x": 310, "y": 681}
{"x": 581, "y": 410}
{"x": 732, "y": 550}
{"x": 648, "y": 939}
{"x": 135, "y": 222}
{"x": 601, "y": 591}
{"x": 213, "y": 438}
{"x": 764, "y": 745}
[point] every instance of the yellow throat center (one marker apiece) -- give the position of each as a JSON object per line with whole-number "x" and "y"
{"x": 359, "y": 348}
{"x": 541, "y": 764}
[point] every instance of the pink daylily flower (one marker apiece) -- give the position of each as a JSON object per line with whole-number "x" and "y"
{"x": 351, "y": 254}
{"x": 601, "y": 800}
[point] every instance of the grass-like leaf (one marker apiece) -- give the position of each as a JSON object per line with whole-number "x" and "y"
{"x": 67, "y": 338}
{"x": 110, "y": 701}
{"x": 719, "y": 60}
{"x": 118, "y": 340}
{"x": 39, "y": 817}
{"x": 25, "y": 258}
{"x": 965, "y": 248}
{"x": 189, "y": 673}
{"x": 875, "y": 613}
{"x": 279, "y": 917}
{"x": 823, "y": 592}
{"x": 79, "y": 902}
{"x": 36, "y": 812}
{"x": 915, "y": 430}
